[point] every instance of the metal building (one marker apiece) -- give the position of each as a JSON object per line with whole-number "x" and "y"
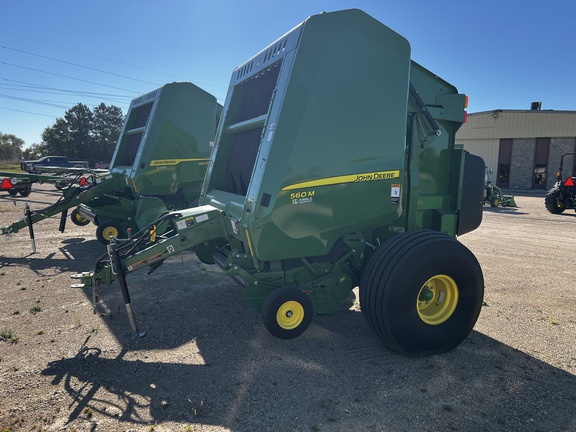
{"x": 521, "y": 147}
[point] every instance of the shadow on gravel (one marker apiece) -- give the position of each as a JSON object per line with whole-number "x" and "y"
{"x": 74, "y": 255}
{"x": 567, "y": 214}
{"x": 207, "y": 360}
{"x": 20, "y": 201}
{"x": 505, "y": 210}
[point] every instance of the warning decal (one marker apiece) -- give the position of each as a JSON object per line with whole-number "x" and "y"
{"x": 395, "y": 195}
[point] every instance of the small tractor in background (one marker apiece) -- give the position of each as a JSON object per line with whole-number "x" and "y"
{"x": 493, "y": 194}
{"x": 158, "y": 165}
{"x": 334, "y": 166}
{"x": 563, "y": 195}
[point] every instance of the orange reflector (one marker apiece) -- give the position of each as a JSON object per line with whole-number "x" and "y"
{"x": 83, "y": 181}
{"x": 6, "y": 184}
{"x": 465, "y": 101}
{"x": 569, "y": 182}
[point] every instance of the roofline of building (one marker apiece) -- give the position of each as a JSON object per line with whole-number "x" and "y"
{"x": 547, "y": 111}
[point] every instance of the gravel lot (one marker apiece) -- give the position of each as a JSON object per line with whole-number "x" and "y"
{"x": 207, "y": 363}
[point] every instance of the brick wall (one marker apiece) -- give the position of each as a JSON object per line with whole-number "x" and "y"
{"x": 559, "y": 146}
{"x": 522, "y": 166}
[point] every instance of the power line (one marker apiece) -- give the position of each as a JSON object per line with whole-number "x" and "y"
{"x": 77, "y": 92}
{"x": 68, "y": 77}
{"x": 33, "y": 101}
{"x": 111, "y": 61}
{"x": 119, "y": 99}
{"x": 79, "y": 65}
{"x": 27, "y": 112}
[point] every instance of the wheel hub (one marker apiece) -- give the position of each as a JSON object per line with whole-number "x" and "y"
{"x": 437, "y": 299}
{"x": 290, "y": 315}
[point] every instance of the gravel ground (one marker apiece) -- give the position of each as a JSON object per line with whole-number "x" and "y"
{"x": 207, "y": 364}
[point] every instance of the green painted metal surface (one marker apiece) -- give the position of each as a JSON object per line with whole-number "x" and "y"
{"x": 72, "y": 196}
{"x": 166, "y": 140}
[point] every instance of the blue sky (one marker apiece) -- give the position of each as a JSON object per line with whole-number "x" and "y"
{"x": 501, "y": 53}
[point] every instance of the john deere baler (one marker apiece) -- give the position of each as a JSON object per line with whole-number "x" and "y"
{"x": 158, "y": 165}
{"x": 334, "y": 166}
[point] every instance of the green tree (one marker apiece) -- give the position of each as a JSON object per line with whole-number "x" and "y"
{"x": 35, "y": 151}
{"x": 107, "y": 126}
{"x": 72, "y": 135}
{"x": 83, "y": 134}
{"x": 10, "y": 146}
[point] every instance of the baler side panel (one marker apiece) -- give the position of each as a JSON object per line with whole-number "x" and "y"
{"x": 433, "y": 178}
{"x": 177, "y": 143}
{"x": 339, "y": 139}
{"x": 346, "y": 141}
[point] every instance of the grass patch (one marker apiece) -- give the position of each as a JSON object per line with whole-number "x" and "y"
{"x": 35, "y": 309}
{"x": 8, "y": 335}
{"x": 10, "y": 166}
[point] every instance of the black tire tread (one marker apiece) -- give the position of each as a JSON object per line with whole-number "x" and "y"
{"x": 551, "y": 201}
{"x": 269, "y": 310}
{"x": 75, "y": 221}
{"x": 101, "y": 227}
{"x": 380, "y": 269}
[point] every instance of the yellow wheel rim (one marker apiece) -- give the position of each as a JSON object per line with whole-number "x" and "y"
{"x": 109, "y": 232}
{"x": 437, "y": 299}
{"x": 79, "y": 218}
{"x": 290, "y": 315}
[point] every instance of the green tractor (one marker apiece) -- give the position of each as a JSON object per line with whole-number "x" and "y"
{"x": 334, "y": 167}
{"x": 563, "y": 195}
{"x": 493, "y": 194}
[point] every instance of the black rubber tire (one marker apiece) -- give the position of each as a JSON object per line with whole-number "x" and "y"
{"x": 551, "y": 201}
{"x": 77, "y": 218}
{"x": 107, "y": 229}
{"x": 290, "y": 301}
{"x": 495, "y": 202}
{"x": 392, "y": 281}
{"x": 26, "y": 191}
{"x": 12, "y": 192}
